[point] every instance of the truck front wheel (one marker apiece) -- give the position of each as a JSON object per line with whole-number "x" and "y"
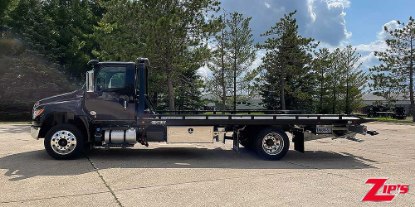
{"x": 64, "y": 141}
{"x": 272, "y": 144}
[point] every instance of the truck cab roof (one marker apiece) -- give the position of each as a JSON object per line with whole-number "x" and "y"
{"x": 115, "y": 63}
{"x": 97, "y": 62}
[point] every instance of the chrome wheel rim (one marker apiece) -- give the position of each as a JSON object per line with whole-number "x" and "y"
{"x": 272, "y": 143}
{"x": 63, "y": 142}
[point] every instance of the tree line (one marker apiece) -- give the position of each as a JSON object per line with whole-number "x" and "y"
{"x": 181, "y": 36}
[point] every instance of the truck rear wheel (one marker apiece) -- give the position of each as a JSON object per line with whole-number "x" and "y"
{"x": 272, "y": 144}
{"x": 64, "y": 141}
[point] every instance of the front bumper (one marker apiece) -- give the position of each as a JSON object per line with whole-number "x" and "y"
{"x": 34, "y": 131}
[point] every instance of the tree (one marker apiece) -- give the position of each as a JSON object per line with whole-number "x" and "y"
{"x": 4, "y": 4}
{"x": 340, "y": 80}
{"x": 119, "y": 33}
{"x": 219, "y": 64}
{"x": 240, "y": 47}
{"x": 286, "y": 64}
{"x": 59, "y": 29}
{"x": 322, "y": 63}
{"x": 168, "y": 32}
{"x": 188, "y": 91}
{"x": 335, "y": 80}
{"x": 355, "y": 78}
{"x": 396, "y": 71}
{"x": 233, "y": 54}
{"x": 173, "y": 30}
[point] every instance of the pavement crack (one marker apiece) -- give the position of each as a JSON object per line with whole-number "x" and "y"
{"x": 105, "y": 182}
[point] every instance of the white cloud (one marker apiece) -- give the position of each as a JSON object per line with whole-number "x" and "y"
{"x": 391, "y": 25}
{"x": 323, "y": 20}
{"x": 377, "y": 45}
{"x": 368, "y": 50}
{"x": 368, "y": 61}
{"x": 258, "y": 60}
{"x": 328, "y": 21}
{"x": 339, "y": 3}
{"x": 204, "y": 71}
{"x": 267, "y": 5}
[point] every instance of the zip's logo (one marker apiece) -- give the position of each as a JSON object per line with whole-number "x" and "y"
{"x": 381, "y": 192}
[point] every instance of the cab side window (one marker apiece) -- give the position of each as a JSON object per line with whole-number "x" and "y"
{"x": 117, "y": 80}
{"x": 111, "y": 79}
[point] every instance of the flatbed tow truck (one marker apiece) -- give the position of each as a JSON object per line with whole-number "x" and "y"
{"x": 113, "y": 110}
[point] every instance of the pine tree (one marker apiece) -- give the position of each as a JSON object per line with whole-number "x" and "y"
{"x": 60, "y": 30}
{"x": 4, "y": 4}
{"x": 355, "y": 78}
{"x": 340, "y": 80}
{"x": 233, "y": 55}
{"x": 171, "y": 33}
{"x": 322, "y": 63}
{"x": 396, "y": 72}
{"x": 240, "y": 48}
{"x": 217, "y": 84}
{"x": 288, "y": 79}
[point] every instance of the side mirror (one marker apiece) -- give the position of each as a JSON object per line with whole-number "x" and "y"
{"x": 90, "y": 81}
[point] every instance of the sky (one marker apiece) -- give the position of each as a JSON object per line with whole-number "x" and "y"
{"x": 335, "y": 23}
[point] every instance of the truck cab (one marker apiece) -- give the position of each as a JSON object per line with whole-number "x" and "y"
{"x": 110, "y": 98}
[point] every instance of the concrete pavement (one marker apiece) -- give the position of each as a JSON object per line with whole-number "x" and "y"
{"x": 330, "y": 173}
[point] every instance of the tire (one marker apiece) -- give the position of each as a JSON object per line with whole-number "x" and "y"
{"x": 272, "y": 144}
{"x": 64, "y": 142}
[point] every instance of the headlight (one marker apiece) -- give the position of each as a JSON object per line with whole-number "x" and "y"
{"x": 37, "y": 112}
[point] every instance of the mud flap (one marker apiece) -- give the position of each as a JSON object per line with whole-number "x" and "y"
{"x": 235, "y": 138}
{"x": 298, "y": 139}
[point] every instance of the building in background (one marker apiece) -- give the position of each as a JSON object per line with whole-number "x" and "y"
{"x": 399, "y": 100}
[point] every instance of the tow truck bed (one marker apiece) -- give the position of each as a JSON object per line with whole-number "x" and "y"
{"x": 267, "y": 119}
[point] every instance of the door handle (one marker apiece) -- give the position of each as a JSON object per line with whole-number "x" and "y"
{"x": 125, "y": 104}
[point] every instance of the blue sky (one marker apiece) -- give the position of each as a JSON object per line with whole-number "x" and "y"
{"x": 330, "y": 21}
{"x": 335, "y": 23}
{"x": 365, "y": 18}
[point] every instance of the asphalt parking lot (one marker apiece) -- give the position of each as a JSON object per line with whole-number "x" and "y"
{"x": 330, "y": 173}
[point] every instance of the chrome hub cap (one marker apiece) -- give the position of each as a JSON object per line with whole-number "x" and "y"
{"x": 63, "y": 142}
{"x": 272, "y": 143}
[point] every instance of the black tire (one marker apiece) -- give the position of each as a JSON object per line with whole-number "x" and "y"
{"x": 279, "y": 136}
{"x": 72, "y": 152}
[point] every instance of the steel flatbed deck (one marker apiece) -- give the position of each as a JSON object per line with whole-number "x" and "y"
{"x": 266, "y": 119}
{"x": 244, "y": 119}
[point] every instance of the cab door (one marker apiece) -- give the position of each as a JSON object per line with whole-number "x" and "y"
{"x": 113, "y": 97}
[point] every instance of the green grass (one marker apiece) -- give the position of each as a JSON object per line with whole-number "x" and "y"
{"x": 408, "y": 120}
